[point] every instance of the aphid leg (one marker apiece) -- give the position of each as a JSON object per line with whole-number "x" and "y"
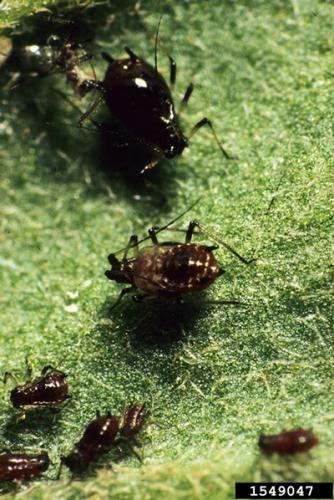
{"x": 86, "y": 87}
{"x": 186, "y": 97}
{"x": 202, "y": 123}
{"x": 9, "y": 375}
{"x": 125, "y": 291}
{"x": 190, "y": 230}
{"x": 153, "y": 235}
{"x": 172, "y": 69}
{"x": 125, "y": 444}
{"x": 108, "y": 58}
{"x": 223, "y": 243}
{"x": 28, "y": 366}
{"x": 133, "y": 243}
{"x": 60, "y": 469}
{"x": 139, "y": 299}
{"x": 50, "y": 368}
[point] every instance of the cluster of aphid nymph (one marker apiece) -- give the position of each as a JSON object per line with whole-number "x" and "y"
{"x": 142, "y": 111}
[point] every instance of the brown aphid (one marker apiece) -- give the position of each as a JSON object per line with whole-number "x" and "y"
{"x": 133, "y": 420}
{"x": 47, "y": 391}
{"x": 19, "y": 466}
{"x": 98, "y": 438}
{"x": 168, "y": 269}
{"x": 288, "y": 442}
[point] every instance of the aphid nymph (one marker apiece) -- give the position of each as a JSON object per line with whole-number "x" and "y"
{"x": 47, "y": 391}
{"x": 98, "y": 438}
{"x": 168, "y": 269}
{"x": 19, "y": 466}
{"x": 288, "y": 442}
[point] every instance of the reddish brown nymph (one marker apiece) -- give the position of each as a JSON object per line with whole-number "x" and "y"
{"x": 288, "y": 442}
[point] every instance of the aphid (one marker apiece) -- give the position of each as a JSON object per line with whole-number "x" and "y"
{"x": 140, "y": 100}
{"x": 47, "y": 391}
{"x": 168, "y": 269}
{"x": 133, "y": 420}
{"x": 99, "y": 437}
{"x": 288, "y": 442}
{"x": 18, "y": 466}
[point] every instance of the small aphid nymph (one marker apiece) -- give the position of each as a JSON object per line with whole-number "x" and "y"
{"x": 20, "y": 466}
{"x": 49, "y": 390}
{"x": 288, "y": 442}
{"x": 168, "y": 269}
{"x": 98, "y": 438}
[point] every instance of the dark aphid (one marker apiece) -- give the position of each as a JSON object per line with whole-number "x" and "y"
{"x": 168, "y": 269}
{"x": 140, "y": 100}
{"x": 99, "y": 437}
{"x": 18, "y": 466}
{"x": 47, "y": 391}
{"x": 288, "y": 442}
{"x": 133, "y": 420}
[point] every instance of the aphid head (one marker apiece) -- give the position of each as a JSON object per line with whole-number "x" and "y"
{"x": 120, "y": 270}
{"x": 44, "y": 461}
{"x": 176, "y": 142}
{"x": 17, "y": 396}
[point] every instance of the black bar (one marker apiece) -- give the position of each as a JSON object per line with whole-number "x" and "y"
{"x": 284, "y": 491}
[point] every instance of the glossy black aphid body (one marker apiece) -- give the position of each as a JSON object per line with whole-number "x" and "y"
{"x": 98, "y": 438}
{"x": 133, "y": 420}
{"x": 138, "y": 96}
{"x": 48, "y": 390}
{"x": 288, "y": 442}
{"x": 19, "y": 466}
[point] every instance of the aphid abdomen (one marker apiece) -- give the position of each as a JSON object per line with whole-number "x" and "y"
{"x": 44, "y": 391}
{"x": 175, "y": 269}
{"x": 21, "y": 466}
{"x": 140, "y": 99}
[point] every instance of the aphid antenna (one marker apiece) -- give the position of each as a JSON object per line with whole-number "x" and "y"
{"x": 78, "y": 110}
{"x": 156, "y": 45}
{"x": 223, "y": 243}
{"x": 9, "y": 375}
{"x": 162, "y": 228}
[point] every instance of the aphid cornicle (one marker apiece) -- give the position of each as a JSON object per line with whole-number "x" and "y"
{"x": 47, "y": 391}
{"x": 140, "y": 100}
{"x": 288, "y": 442}
{"x": 168, "y": 269}
{"x": 19, "y": 466}
{"x": 98, "y": 438}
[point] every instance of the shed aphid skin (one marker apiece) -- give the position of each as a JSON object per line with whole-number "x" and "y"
{"x": 55, "y": 57}
{"x": 140, "y": 100}
{"x": 288, "y": 442}
{"x": 133, "y": 420}
{"x": 19, "y": 466}
{"x": 50, "y": 390}
{"x": 98, "y": 438}
{"x": 168, "y": 269}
